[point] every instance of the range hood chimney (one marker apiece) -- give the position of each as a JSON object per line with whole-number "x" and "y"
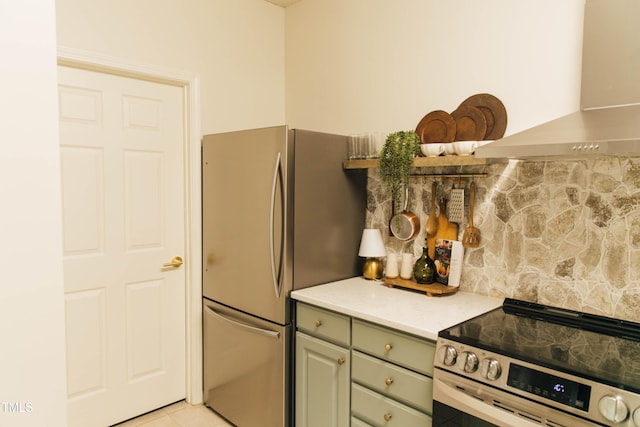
{"x": 609, "y": 120}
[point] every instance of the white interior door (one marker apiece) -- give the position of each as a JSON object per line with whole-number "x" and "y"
{"x": 122, "y": 144}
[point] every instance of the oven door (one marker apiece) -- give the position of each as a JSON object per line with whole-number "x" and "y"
{"x": 458, "y": 401}
{"x": 446, "y": 416}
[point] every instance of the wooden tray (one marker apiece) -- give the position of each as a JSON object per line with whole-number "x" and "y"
{"x": 430, "y": 289}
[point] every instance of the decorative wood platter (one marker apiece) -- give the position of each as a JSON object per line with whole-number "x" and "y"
{"x": 430, "y": 290}
{"x": 437, "y": 126}
{"x": 471, "y": 125}
{"x": 494, "y": 112}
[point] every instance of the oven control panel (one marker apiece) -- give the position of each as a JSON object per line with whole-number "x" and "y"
{"x": 469, "y": 361}
{"x": 580, "y": 396}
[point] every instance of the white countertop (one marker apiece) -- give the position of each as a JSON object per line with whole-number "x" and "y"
{"x": 400, "y": 309}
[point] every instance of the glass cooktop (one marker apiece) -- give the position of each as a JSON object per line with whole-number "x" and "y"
{"x": 599, "y": 348}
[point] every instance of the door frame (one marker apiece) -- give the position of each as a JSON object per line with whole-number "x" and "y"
{"x": 190, "y": 84}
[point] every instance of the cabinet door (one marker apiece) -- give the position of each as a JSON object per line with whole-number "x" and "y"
{"x": 322, "y": 383}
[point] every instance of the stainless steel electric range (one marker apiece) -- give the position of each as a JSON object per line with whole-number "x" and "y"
{"x": 526, "y": 364}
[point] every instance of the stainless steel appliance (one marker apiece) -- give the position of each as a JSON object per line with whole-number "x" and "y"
{"x": 609, "y": 120}
{"x": 529, "y": 365}
{"x": 279, "y": 213}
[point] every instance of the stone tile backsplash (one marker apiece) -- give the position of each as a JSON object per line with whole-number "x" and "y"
{"x": 563, "y": 233}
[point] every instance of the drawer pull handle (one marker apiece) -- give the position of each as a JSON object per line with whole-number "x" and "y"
{"x": 388, "y": 381}
{"x": 387, "y": 417}
{"x": 388, "y": 347}
{"x": 341, "y": 361}
{"x": 318, "y": 323}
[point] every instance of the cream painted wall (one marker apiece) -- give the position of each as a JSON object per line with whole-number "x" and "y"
{"x": 352, "y": 65}
{"x": 32, "y": 359}
{"x": 235, "y": 46}
{"x": 380, "y": 65}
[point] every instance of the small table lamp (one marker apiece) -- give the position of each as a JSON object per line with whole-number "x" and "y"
{"x": 372, "y": 247}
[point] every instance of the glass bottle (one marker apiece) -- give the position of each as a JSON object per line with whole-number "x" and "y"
{"x": 424, "y": 269}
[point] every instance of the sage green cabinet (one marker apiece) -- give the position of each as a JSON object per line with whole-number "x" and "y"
{"x": 391, "y": 376}
{"x": 381, "y": 411}
{"x": 323, "y": 368}
{"x": 358, "y": 423}
{"x": 394, "y": 346}
{"x": 399, "y": 383}
{"x": 353, "y": 372}
{"x": 324, "y": 324}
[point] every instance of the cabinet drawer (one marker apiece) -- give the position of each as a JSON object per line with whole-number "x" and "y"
{"x": 380, "y": 411}
{"x": 394, "y": 346}
{"x": 396, "y": 382}
{"x": 358, "y": 423}
{"x": 323, "y": 324}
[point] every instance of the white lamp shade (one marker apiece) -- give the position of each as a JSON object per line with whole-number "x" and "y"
{"x": 371, "y": 244}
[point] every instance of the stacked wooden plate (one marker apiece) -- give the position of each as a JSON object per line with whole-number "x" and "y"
{"x": 437, "y": 126}
{"x": 479, "y": 117}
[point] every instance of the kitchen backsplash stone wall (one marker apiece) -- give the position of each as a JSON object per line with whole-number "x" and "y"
{"x": 563, "y": 233}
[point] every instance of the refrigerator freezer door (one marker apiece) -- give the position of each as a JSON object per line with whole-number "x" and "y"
{"x": 244, "y": 184}
{"x": 245, "y": 368}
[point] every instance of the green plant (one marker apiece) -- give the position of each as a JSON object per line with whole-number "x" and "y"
{"x": 396, "y": 161}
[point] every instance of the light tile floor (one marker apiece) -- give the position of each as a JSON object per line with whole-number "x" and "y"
{"x": 180, "y": 414}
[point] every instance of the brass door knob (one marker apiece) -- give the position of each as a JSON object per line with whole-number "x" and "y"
{"x": 341, "y": 361}
{"x": 387, "y": 417}
{"x": 318, "y": 323}
{"x": 388, "y": 381}
{"x": 176, "y": 262}
{"x": 388, "y": 347}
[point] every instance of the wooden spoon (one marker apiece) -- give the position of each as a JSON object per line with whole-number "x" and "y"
{"x": 432, "y": 223}
{"x": 471, "y": 235}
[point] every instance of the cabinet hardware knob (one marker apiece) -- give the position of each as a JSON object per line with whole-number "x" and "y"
{"x": 388, "y": 347}
{"x": 318, "y": 323}
{"x": 341, "y": 361}
{"x": 388, "y": 381}
{"x": 387, "y": 417}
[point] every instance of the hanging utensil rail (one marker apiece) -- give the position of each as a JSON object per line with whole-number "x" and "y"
{"x": 450, "y": 175}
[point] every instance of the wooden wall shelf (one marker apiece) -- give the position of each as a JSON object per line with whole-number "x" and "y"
{"x": 420, "y": 162}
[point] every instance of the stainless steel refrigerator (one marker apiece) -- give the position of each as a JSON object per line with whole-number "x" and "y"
{"x": 279, "y": 213}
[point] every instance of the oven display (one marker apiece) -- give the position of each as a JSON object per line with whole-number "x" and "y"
{"x": 559, "y": 389}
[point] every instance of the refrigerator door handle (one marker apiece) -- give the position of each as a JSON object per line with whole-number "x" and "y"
{"x": 265, "y": 332}
{"x": 276, "y": 273}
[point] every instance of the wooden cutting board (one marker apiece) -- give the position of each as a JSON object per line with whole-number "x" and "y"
{"x": 446, "y": 230}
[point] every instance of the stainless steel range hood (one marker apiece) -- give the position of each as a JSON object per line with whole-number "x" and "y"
{"x": 609, "y": 120}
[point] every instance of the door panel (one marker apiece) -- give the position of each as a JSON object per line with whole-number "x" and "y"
{"x": 143, "y": 200}
{"x": 122, "y": 144}
{"x": 323, "y": 376}
{"x": 89, "y": 343}
{"x": 83, "y": 185}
